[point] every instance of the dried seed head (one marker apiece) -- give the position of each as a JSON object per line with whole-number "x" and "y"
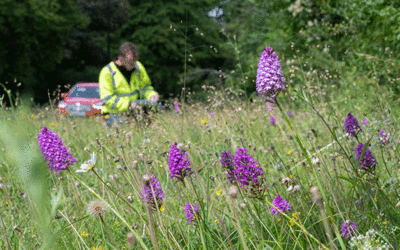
{"x": 108, "y": 135}
{"x": 290, "y": 189}
{"x": 119, "y": 168}
{"x": 86, "y": 149}
{"x": 243, "y": 206}
{"x": 141, "y": 156}
{"x": 135, "y": 164}
{"x": 130, "y": 239}
{"x": 212, "y": 178}
{"x": 116, "y": 159}
{"x": 296, "y": 188}
{"x": 316, "y": 194}
{"x": 97, "y": 208}
{"x": 233, "y": 192}
{"x": 287, "y": 181}
{"x": 130, "y": 199}
{"x": 146, "y": 179}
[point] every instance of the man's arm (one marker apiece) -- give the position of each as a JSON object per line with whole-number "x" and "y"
{"x": 147, "y": 91}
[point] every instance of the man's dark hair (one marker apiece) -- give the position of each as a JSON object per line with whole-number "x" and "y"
{"x": 127, "y": 47}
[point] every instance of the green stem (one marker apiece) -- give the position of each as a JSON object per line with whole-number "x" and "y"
{"x": 112, "y": 209}
{"x": 317, "y": 179}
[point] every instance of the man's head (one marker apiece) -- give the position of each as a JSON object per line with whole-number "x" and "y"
{"x": 128, "y": 55}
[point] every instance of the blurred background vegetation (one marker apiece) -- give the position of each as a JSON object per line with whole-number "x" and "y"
{"x": 48, "y": 45}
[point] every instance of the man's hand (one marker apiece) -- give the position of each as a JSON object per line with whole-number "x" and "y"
{"x": 155, "y": 98}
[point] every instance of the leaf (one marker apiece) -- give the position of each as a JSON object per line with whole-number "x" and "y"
{"x": 349, "y": 180}
{"x": 334, "y": 133}
{"x": 371, "y": 215}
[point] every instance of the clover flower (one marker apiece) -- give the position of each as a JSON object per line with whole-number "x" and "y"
{"x": 247, "y": 170}
{"x": 147, "y": 193}
{"x": 384, "y": 137}
{"x": 368, "y": 161}
{"x": 351, "y": 126}
{"x": 190, "y": 212}
{"x": 364, "y": 122}
{"x": 56, "y": 154}
{"x": 280, "y": 204}
{"x": 270, "y": 80}
{"x": 272, "y": 120}
{"x": 347, "y": 228}
{"x": 178, "y": 163}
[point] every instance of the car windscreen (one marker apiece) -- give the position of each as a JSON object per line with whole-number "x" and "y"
{"x": 85, "y": 92}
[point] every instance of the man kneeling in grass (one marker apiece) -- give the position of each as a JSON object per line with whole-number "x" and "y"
{"x": 123, "y": 81}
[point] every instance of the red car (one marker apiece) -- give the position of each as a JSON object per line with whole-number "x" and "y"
{"x": 83, "y": 99}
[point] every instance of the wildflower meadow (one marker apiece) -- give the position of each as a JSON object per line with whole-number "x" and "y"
{"x": 302, "y": 166}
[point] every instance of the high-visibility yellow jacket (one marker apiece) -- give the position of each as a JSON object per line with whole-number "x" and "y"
{"x": 116, "y": 93}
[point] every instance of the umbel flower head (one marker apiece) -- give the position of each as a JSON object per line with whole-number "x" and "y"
{"x": 270, "y": 80}
{"x": 279, "y": 203}
{"x": 247, "y": 170}
{"x": 383, "y": 137}
{"x": 147, "y": 192}
{"x": 56, "y": 154}
{"x": 97, "y": 208}
{"x": 368, "y": 161}
{"x": 190, "y": 212}
{"x": 347, "y": 228}
{"x": 178, "y": 163}
{"x": 351, "y": 125}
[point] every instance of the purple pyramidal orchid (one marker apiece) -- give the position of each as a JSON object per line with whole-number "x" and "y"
{"x": 348, "y": 228}
{"x": 368, "y": 161}
{"x": 227, "y": 162}
{"x": 270, "y": 80}
{"x": 247, "y": 170}
{"x": 178, "y": 163}
{"x": 191, "y": 212}
{"x": 272, "y": 119}
{"x": 147, "y": 193}
{"x": 58, "y": 157}
{"x": 279, "y": 203}
{"x": 351, "y": 125}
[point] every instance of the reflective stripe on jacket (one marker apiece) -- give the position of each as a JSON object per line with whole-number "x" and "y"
{"x": 116, "y": 93}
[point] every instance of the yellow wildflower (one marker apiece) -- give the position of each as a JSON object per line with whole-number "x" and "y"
{"x": 289, "y": 152}
{"x": 116, "y": 223}
{"x": 204, "y": 122}
{"x": 51, "y": 124}
{"x": 375, "y": 199}
{"x": 106, "y": 116}
{"x": 33, "y": 116}
{"x": 218, "y": 192}
{"x": 279, "y": 220}
{"x": 162, "y": 208}
{"x": 216, "y": 221}
{"x": 84, "y": 234}
{"x": 290, "y": 176}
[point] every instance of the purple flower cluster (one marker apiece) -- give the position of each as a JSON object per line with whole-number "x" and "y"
{"x": 190, "y": 212}
{"x": 384, "y": 137}
{"x": 176, "y": 106}
{"x": 368, "y": 160}
{"x": 246, "y": 170}
{"x": 364, "y": 122}
{"x": 147, "y": 193}
{"x": 348, "y": 228}
{"x": 351, "y": 125}
{"x": 178, "y": 163}
{"x": 56, "y": 154}
{"x": 279, "y": 203}
{"x": 227, "y": 162}
{"x": 272, "y": 120}
{"x": 226, "y": 159}
{"x": 270, "y": 80}
{"x": 290, "y": 114}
